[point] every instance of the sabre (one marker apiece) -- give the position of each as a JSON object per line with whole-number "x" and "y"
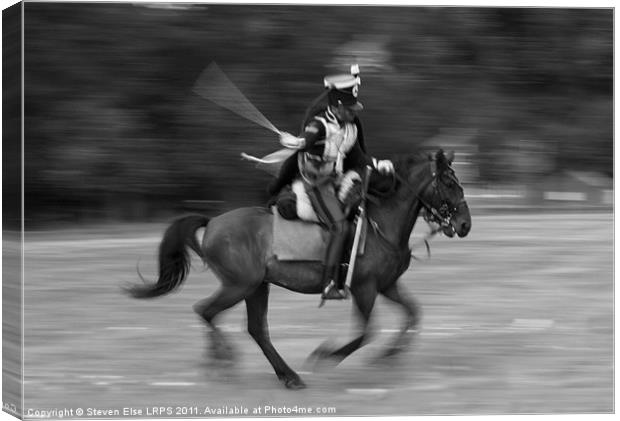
{"x": 361, "y": 213}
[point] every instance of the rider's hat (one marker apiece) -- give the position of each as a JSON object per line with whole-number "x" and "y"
{"x": 343, "y": 89}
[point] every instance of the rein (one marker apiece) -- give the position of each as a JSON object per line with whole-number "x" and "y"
{"x": 442, "y": 216}
{"x": 432, "y": 215}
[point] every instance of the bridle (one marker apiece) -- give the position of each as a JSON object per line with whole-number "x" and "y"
{"x": 439, "y": 216}
{"x": 442, "y": 215}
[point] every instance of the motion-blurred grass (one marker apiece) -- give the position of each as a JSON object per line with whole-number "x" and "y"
{"x": 518, "y": 318}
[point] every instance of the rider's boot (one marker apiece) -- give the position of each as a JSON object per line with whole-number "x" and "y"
{"x": 332, "y": 288}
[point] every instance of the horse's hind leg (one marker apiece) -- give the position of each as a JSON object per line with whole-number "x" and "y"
{"x": 409, "y": 328}
{"x": 209, "y": 308}
{"x": 257, "y": 304}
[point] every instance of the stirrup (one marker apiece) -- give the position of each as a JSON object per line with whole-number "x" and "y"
{"x": 331, "y": 292}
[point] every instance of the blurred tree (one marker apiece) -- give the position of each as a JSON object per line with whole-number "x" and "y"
{"x": 114, "y": 130}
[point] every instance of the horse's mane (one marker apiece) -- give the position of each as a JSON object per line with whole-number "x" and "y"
{"x": 403, "y": 163}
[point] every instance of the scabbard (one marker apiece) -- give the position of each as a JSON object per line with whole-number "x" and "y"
{"x": 361, "y": 214}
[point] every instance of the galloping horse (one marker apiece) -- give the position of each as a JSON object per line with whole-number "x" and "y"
{"x": 237, "y": 246}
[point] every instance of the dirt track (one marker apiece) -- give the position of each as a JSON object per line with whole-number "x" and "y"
{"x": 518, "y": 318}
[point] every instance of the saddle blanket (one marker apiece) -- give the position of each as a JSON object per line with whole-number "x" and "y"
{"x": 302, "y": 241}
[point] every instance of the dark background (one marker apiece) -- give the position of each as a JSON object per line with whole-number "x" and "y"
{"x": 114, "y": 131}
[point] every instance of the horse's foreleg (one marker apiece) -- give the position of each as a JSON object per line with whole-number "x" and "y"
{"x": 209, "y": 308}
{"x": 412, "y": 319}
{"x": 257, "y": 304}
{"x": 364, "y": 297}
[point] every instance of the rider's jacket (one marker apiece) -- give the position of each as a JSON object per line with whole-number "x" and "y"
{"x": 329, "y": 145}
{"x": 339, "y": 137}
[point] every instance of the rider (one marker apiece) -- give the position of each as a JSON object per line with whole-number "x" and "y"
{"x": 326, "y": 169}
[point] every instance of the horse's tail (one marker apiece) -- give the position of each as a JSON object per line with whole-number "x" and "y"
{"x": 174, "y": 258}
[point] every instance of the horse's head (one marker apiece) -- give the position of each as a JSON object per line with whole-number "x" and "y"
{"x": 443, "y": 197}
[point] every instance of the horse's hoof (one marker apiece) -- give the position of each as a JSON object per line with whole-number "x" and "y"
{"x": 223, "y": 356}
{"x": 323, "y": 351}
{"x": 221, "y": 351}
{"x": 220, "y": 363}
{"x": 294, "y": 383}
{"x": 387, "y": 357}
{"x": 322, "y": 361}
{"x": 391, "y": 355}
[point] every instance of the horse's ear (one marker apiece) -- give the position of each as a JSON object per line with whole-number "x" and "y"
{"x": 440, "y": 158}
{"x": 444, "y": 160}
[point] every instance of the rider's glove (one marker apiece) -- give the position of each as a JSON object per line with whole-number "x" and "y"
{"x": 292, "y": 142}
{"x": 384, "y": 166}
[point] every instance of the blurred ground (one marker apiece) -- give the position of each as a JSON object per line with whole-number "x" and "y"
{"x": 518, "y": 318}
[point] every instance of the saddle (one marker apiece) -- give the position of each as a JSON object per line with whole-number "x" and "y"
{"x": 297, "y": 240}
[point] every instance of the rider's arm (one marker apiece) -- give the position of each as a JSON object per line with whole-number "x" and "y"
{"x": 357, "y": 158}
